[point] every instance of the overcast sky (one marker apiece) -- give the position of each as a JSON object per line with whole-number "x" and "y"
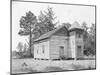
{"x": 64, "y": 13}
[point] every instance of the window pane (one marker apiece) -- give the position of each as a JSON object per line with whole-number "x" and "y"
{"x": 43, "y": 48}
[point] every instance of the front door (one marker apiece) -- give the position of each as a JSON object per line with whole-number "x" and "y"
{"x": 79, "y": 53}
{"x": 61, "y": 51}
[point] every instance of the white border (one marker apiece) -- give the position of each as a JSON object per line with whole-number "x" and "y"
{"x": 5, "y": 37}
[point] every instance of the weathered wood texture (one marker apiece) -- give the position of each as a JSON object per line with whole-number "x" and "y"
{"x": 76, "y": 41}
{"x": 41, "y": 50}
{"x": 55, "y": 43}
{"x": 70, "y": 42}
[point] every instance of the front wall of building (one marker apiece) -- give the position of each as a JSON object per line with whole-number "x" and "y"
{"x": 75, "y": 42}
{"x": 41, "y": 50}
{"x": 79, "y": 42}
{"x": 55, "y": 43}
{"x": 72, "y": 46}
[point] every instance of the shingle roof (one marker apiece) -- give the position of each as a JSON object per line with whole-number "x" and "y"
{"x": 48, "y": 34}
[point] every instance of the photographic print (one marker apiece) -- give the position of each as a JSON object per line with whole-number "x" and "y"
{"x": 52, "y": 37}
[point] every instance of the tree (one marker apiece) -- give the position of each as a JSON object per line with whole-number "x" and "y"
{"x": 20, "y": 47}
{"x": 86, "y": 39}
{"x": 25, "y": 47}
{"x": 67, "y": 24}
{"x": 27, "y": 25}
{"x": 89, "y": 39}
{"x": 92, "y": 31}
{"x": 46, "y": 21}
{"x": 92, "y": 34}
{"x": 33, "y": 27}
{"x": 84, "y": 25}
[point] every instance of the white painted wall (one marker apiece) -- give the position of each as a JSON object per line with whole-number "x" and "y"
{"x": 74, "y": 42}
{"x": 55, "y": 43}
{"x": 39, "y": 47}
{"x": 72, "y": 46}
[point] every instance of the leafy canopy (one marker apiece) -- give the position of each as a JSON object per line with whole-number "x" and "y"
{"x": 27, "y": 23}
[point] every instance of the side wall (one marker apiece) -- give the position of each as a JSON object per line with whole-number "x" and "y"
{"x": 41, "y": 50}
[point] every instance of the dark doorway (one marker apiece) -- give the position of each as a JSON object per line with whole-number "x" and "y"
{"x": 79, "y": 53}
{"x": 61, "y": 51}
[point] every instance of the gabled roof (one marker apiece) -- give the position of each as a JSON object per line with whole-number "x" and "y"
{"x": 48, "y": 34}
{"x": 75, "y": 25}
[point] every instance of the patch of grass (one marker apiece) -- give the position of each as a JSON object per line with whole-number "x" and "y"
{"x": 52, "y": 68}
{"x": 77, "y": 67}
{"x": 25, "y": 70}
{"x": 34, "y": 66}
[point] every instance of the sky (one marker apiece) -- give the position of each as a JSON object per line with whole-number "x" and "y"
{"x": 64, "y": 13}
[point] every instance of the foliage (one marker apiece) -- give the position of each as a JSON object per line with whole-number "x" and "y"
{"x": 46, "y": 21}
{"x": 33, "y": 27}
{"x": 67, "y": 24}
{"x": 20, "y": 46}
{"x": 92, "y": 37}
{"x": 89, "y": 39}
{"x": 84, "y": 25}
{"x": 92, "y": 31}
{"x": 25, "y": 47}
{"x": 27, "y": 23}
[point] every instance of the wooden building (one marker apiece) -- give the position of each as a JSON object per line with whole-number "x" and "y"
{"x": 61, "y": 42}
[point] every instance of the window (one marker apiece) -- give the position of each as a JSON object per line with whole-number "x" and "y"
{"x": 79, "y": 35}
{"x": 43, "y": 48}
{"x": 79, "y": 51}
{"x": 79, "y": 47}
{"x": 62, "y": 47}
{"x": 61, "y": 51}
{"x": 37, "y": 51}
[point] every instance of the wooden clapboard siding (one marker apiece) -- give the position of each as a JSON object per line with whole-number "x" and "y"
{"x": 54, "y": 53}
{"x": 69, "y": 52}
{"x": 74, "y": 42}
{"x": 55, "y": 43}
{"x": 79, "y": 42}
{"x": 39, "y": 54}
{"x": 72, "y": 46}
{"x": 58, "y": 39}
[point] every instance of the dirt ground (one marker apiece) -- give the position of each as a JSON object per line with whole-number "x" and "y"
{"x": 33, "y": 66}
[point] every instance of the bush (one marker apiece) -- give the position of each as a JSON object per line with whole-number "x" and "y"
{"x": 63, "y": 57}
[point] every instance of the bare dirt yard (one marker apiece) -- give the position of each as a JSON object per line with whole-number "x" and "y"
{"x": 34, "y": 66}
